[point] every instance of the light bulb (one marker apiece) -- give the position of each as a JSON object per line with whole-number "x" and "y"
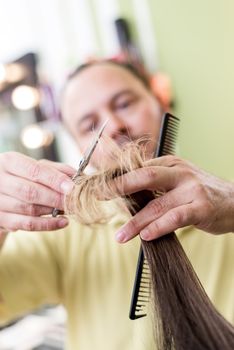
{"x": 33, "y": 136}
{"x": 25, "y": 97}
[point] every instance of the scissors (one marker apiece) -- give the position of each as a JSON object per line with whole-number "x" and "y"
{"x": 84, "y": 160}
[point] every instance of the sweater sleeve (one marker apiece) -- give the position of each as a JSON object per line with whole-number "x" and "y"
{"x": 29, "y": 273}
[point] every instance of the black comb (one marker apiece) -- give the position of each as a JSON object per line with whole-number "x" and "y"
{"x": 141, "y": 288}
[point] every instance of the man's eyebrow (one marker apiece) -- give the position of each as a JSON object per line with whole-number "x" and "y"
{"x": 111, "y": 100}
{"x": 85, "y": 117}
{"x": 120, "y": 93}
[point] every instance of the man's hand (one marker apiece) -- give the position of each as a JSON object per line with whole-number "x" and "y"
{"x": 191, "y": 197}
{"x": 30, "y": 189}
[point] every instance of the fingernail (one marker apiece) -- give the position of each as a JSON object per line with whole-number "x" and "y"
{"x": 67, "y": 186}
{"x": 145, "y": 234}
{"x": 121, "y": 236}
{"x": 63, "y": 222}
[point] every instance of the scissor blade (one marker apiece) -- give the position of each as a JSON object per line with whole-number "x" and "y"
{"x": 90, "y": 150}
{"x": 86, "y": 158}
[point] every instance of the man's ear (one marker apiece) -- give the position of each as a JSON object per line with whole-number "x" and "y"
{"x": 161, "y": 87}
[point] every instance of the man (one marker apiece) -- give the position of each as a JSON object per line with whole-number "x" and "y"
{"x": 83, "y": 267}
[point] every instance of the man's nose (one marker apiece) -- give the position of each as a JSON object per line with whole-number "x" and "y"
{"x": 115, "y": 126}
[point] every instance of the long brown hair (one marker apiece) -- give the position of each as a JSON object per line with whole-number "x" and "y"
{"x": 185, "y": 318}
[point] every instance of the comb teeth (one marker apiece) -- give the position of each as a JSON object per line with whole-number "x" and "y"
{"x": 168, "y": 135}
{"x": 142, "y": 287}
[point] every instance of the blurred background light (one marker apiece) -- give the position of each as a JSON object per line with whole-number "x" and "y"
{"x": 33, "y": 136}
{"x": 25, "y": 97}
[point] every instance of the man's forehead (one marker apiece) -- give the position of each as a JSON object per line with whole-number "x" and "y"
{"x": 98, "y": 84}
{"x": 104, "y": 76}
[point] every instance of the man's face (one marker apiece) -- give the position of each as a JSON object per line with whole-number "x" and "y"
{"x": 107, "y": 91}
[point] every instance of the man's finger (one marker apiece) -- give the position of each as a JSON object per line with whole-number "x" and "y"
{"x": 167, "y": 161}
{"x": 64, "y": 168}
{"x": 176, "y": 218}
{"x": 152, "y": 211}
{"x": 14, "y": 205}
{"x": 14, "y": 222}
{"x": 151, "y": 178}
{"x": 29, "y": 192}
{"x": 35, "y": 171}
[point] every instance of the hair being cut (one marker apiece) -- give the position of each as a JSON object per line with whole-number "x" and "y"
{"x": 184, "y": 317}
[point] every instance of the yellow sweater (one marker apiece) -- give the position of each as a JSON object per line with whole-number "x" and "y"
{"x": 92, "y": 275}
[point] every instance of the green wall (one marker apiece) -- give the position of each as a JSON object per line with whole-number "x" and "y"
{"x": 195, "y": 43}
{"x": 196, "y": 47}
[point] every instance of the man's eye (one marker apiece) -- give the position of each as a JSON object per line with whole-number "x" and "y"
{"x": 124, "y": 104}
{"x": 89, "y": 127}
{"x": 92, "y": 127}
